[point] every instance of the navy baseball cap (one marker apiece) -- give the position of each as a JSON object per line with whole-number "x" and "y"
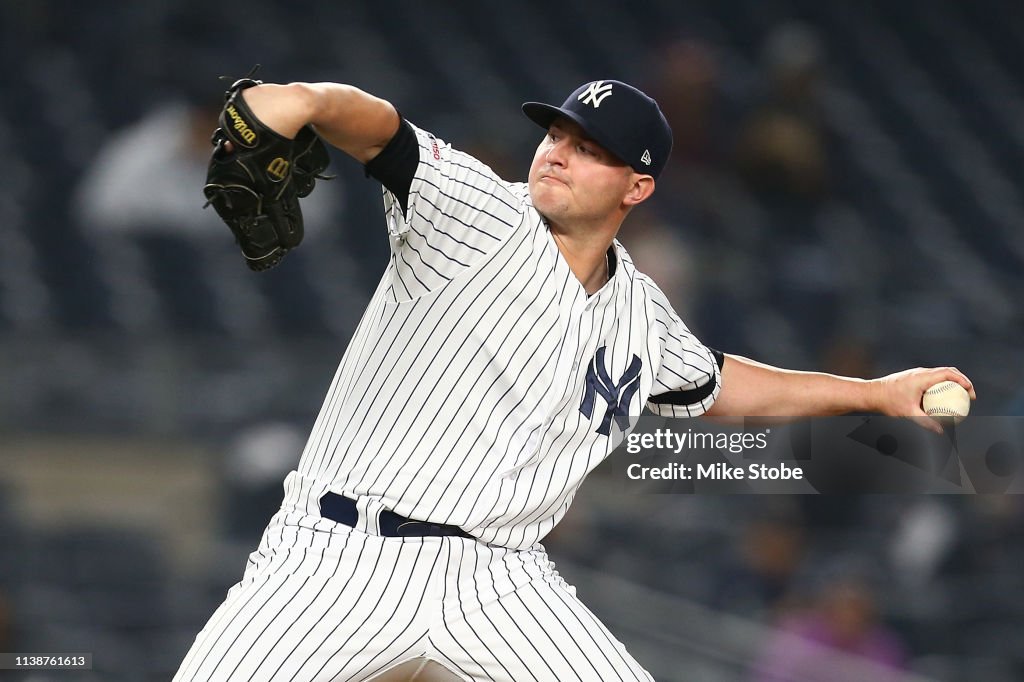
{"x": 617, "y": 116}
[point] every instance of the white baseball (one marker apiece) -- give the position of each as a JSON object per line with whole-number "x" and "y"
{"x": 947, "y": 399}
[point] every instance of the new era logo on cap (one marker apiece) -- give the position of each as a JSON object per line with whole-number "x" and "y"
{"x": 619, "y": 117}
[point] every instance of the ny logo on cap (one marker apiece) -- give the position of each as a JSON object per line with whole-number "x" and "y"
{"x": 595, "y": 93}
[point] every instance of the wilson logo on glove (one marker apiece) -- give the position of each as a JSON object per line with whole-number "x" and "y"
{"x": 278, "y": 169}
{"x": 247, "y": 134}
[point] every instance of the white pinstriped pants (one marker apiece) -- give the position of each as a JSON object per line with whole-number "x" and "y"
{"x": 338, "y": 604}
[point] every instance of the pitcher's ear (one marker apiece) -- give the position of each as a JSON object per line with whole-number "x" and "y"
{"x": 641, "y": 189}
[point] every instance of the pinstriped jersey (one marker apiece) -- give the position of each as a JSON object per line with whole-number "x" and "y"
{"x": 482, "y": 383}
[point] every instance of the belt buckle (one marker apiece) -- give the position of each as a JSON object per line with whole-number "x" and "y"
{"x": 400, "y": 528}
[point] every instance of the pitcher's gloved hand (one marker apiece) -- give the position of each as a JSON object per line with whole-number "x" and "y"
{"x": 255, "y": 182}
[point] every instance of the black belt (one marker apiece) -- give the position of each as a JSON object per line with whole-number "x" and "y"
{"x": 342, "y": 509}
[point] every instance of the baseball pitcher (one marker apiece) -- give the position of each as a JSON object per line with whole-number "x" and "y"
{"x": 509, "y": 335}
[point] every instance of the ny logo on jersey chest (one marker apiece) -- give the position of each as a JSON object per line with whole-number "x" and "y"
{"x": 616, "y": 394}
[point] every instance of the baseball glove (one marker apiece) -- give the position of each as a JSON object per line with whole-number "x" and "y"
{"x": 255, "y": 187}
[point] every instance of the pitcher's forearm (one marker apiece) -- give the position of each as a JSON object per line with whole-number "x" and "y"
{"x": 752, "y": 388}
{"x": 348, "y": 118}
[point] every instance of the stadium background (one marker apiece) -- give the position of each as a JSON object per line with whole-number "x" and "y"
{"x": 845, "y": 194}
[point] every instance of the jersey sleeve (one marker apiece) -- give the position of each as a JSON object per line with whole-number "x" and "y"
{"x": 457, "y": 210}
{"x": 689, "y": 377}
